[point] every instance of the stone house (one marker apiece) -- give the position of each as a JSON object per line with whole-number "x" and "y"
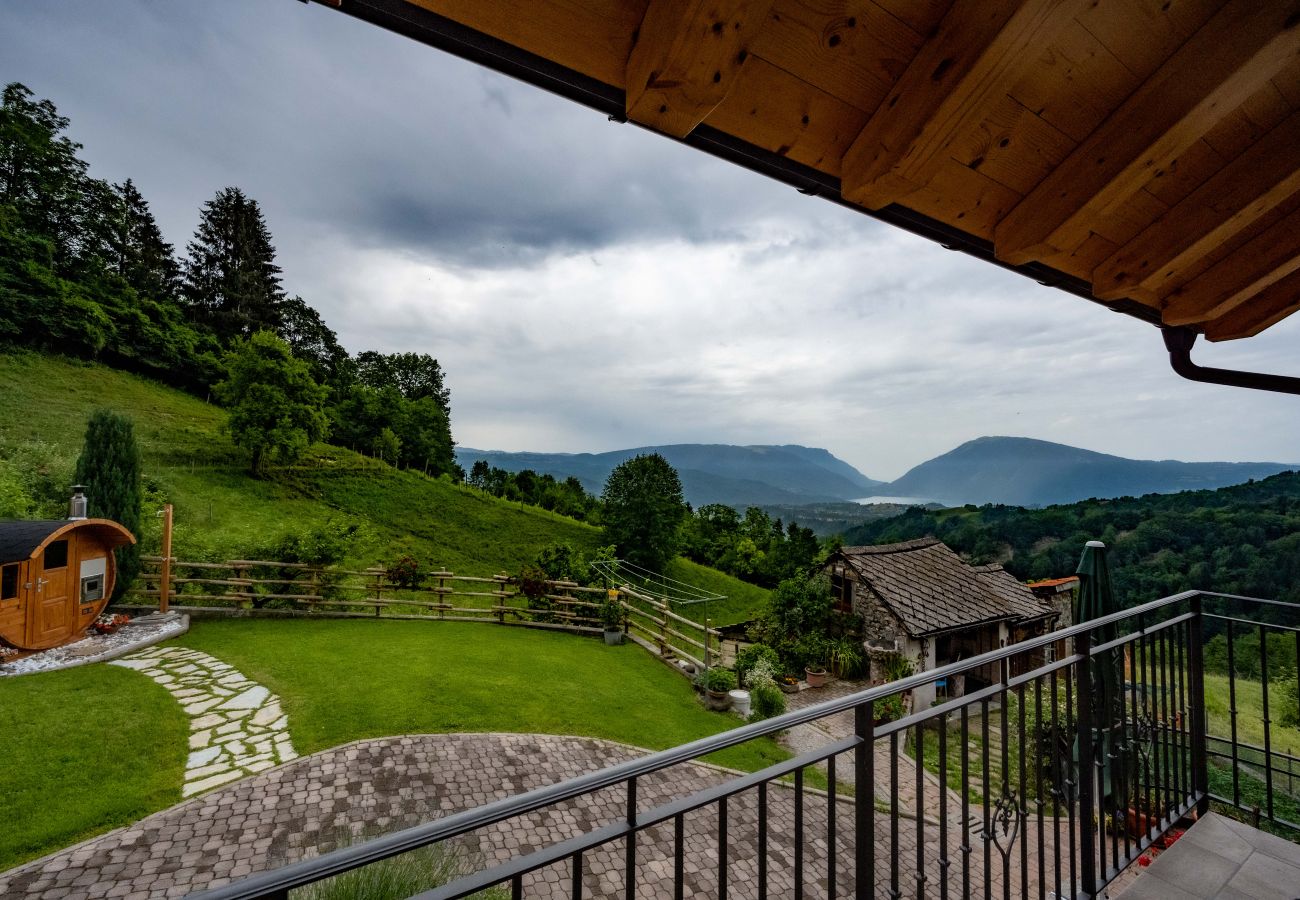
{"x": 919, "y": 598}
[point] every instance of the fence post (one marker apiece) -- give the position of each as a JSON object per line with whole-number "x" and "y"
{"x": 707, "y": 644}
{"x": 1086, "y": 770}
{"x": 165, "y": 582}
{"x": 1200, "y": 758}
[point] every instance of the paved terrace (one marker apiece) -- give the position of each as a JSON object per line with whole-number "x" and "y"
{"x": 299, "y": 808}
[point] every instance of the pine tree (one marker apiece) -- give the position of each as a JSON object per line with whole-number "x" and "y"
{"x": 140, "y": 255}
{"x": 109, "y": 467}
{"x": 232, "y": 283}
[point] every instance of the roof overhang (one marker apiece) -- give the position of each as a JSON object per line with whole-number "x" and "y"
{"x": 1144, "y": 156}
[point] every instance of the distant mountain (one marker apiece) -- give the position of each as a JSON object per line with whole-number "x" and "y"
{"x": 711, "y": 473}
{"x": 1028, "y": 472}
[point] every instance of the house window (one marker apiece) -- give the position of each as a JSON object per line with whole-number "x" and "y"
{"x": 8, "y": 582}
{"x": 842, "y": 593}
{"x": 56, "y": 556}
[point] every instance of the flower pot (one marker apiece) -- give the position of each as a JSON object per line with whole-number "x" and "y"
{"x": 816, "y": 676}
{"x": 1137, "y": 823}
{"x": 790, "y": 688}
{"x": 717, "y": 700}
{"x": 613, "y": 636}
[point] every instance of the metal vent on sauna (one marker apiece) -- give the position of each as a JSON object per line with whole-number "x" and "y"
{"x": 92, "y": 579}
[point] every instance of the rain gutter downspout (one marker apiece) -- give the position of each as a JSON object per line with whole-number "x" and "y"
{"x": 1179, "y": 341}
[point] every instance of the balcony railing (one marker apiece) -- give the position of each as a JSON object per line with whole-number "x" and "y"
{"x": 1048, "y": 782}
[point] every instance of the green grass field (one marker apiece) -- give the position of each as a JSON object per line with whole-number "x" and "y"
{"x": 223, "y": 513}
{"x": 85, "y": 750}
{"x": 89, "y": 749}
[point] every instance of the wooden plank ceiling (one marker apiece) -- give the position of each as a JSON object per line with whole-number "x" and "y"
{"x": 1150, "y": 149}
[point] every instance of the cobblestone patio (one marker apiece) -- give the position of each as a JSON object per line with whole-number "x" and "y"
{"x": 300, "y": 808}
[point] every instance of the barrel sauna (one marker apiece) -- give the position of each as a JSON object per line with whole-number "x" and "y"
{"x": 55, "y": 578}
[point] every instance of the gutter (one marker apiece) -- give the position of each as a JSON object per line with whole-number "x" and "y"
{"x": 1179, "y": 341}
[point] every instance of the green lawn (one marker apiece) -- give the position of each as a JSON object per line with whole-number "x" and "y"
{"x": 85, "y": 750}
{"x": 1250, "y": 713}
{"x": 96, "y": 747}
{"x": 344, "y": 680}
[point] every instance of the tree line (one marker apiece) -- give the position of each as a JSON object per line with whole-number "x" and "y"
{"x": 1243, "y": 539}
{"x": 86, "y": 272}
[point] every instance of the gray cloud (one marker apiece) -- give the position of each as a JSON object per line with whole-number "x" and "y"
{"x": 588, "y": 285}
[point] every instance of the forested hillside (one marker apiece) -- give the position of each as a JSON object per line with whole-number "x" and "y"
{"x": 1243, "y": 539}
{"x": 85, "y": 271}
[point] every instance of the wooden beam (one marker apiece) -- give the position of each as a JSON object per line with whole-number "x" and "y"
{"x": 980, "y": 51}
{"x": 1268, "y": 307}
{"x": 686, "y": 58}
{"x": 1216, "y": 71}
{"x": 1222, "y": 207}
{"x": 1266, "y": 259}
{"x": 593, "y": 37}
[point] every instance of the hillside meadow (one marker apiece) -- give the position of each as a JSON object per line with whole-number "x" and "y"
{"x": 221, "y": 512}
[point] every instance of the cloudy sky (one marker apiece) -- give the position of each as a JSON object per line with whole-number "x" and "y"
{"x": 588, "y": 285}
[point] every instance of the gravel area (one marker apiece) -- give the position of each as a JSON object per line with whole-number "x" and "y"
{"x": 95, "y": 648}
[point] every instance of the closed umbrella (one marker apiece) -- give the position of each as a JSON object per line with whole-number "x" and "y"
{"x": 1094, "y": 600}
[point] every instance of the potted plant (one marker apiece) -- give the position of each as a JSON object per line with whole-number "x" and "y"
{"x": 611, "y": 616}
{"x": 789, "y": 684}
{"x": 107, "y": 624}
{"x": 718, "y": 683}
{"x": 888, "y": 709}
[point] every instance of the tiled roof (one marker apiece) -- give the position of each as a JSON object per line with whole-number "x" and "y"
{"x": 928, "y": 586}
{"x": 19, "y": 539}
{"x": 1054, "y": 582}
{"x": 1020, "y": 599}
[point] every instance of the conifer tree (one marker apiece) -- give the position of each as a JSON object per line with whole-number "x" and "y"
{"x": 232, "y": 283}
{"x": 140, "y": 255}
{"x": 109, "y": 467}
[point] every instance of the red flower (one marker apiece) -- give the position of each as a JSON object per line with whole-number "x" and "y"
{"x": 1144, "y": 860}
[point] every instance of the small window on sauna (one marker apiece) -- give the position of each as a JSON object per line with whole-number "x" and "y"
{"x": 842, "y": 593}
{"x": 8, "y": 582}
{"x": 56, "y": 556}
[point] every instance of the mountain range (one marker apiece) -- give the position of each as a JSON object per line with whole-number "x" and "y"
{"x": 1010, "y": 470}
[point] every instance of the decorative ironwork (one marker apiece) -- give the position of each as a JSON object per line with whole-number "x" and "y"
{"x": 1007, "y": 820}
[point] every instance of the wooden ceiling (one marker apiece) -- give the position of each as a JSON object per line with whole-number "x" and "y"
{"x": 1144, "y": 153}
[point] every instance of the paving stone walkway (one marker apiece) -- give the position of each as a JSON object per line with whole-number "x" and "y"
{"x": 237, "y": 727}
{"x": 303, "y": 807}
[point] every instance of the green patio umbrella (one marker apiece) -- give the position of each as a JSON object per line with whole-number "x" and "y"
{"x": 1094, "y": 600}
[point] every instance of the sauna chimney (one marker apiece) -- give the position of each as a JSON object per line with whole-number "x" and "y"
{"x": 77, "y": 505}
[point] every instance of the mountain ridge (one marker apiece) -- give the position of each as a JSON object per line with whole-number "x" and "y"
{"x": 1008, "y": 470}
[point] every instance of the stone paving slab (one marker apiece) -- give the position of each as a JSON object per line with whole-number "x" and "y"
{"x": 1222, "y": 859}
{"x": 301, "y": 808}
{"x": 237, "y": 727}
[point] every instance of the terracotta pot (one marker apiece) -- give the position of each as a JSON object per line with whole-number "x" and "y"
{"x": 816, "y": 676}
{"x": 1137, "y": 823}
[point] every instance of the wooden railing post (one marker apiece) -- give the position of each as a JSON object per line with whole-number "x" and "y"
{"x": 164, "y": 583}
{"x": 707, "y": 644}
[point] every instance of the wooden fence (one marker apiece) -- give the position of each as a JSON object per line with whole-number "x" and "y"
{"x": 372, "y": 593}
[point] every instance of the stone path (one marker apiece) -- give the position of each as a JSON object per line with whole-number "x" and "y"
{"x": 236, "y": 725}
{"x": 831, "y": 728}
{"x": 303, "y": 807}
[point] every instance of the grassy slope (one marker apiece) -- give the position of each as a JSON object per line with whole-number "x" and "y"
{"x": 85, "y": 750}
{"x": 221, "y": 511}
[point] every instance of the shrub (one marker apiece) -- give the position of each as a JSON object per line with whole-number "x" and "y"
{"x": 109, "y": 466}
{"x": 889, "y": 709}
{"x": 405, "y": 572}
{"x": 896, "y": 666}
{"x": 532, "y": 584}
{"x": 746, "y": 659}
{"x": 1290, "y": 717}
{"x": 766, "y": 701}
{"x": 611, "y": 613}
{"x": 846, "y": 657}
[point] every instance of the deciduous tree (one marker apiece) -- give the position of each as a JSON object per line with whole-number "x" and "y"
{"x": 643, "y": 510}
{"x": 276, "y": 409}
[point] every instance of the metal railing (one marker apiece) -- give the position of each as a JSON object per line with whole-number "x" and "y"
{"x": 1049, "y": 781}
